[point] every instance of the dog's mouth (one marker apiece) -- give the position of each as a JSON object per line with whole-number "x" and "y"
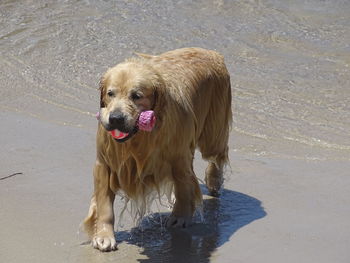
{"x": 145, "y": 122}
{"x": 122, "y": 136}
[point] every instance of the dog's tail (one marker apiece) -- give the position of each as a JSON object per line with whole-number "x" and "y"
{"x": 142, "y": 55}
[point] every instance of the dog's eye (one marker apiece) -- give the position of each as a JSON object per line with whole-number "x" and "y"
{"x": 110, "y": 93}
{"x": 136, "y": 96}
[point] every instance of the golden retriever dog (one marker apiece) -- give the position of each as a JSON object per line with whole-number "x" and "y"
{"x": 190, "y": 93}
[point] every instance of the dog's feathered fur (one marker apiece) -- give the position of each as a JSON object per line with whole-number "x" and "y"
{"x": 189, "y": 91}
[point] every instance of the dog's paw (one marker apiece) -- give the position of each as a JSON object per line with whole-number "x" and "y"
{"x": 104, "y": 243}
{"x": 178, "y": 221}
{"x": 213, "y": 179}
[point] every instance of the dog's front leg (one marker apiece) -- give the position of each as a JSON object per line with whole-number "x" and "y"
{"x": 103, "y": 238}
{"x": 187, "y": 193}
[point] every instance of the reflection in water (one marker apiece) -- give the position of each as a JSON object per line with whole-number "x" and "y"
{"x": 222, "y": 218}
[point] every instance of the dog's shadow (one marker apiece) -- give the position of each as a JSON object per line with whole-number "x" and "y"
{"x": 222, "y": 217}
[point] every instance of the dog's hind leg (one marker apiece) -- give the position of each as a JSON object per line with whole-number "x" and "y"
{"x": 213, "y": 140}
{"x": 214, "y": 174}
{"x": 214, "y": 149}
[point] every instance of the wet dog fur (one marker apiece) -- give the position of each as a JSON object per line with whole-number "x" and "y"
{"x": 189, "y": 91}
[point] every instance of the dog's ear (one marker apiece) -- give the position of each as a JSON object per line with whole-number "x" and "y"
{"x": 159, "y": 99}
{"x": 102, "y": 88}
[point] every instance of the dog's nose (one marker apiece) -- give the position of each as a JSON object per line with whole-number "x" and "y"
{"x": 116, "y": 119}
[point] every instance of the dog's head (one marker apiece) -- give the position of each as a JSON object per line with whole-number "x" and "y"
{"x": 126, "y": 90}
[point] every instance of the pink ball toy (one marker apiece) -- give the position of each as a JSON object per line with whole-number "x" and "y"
{"x": 146, "y": 120}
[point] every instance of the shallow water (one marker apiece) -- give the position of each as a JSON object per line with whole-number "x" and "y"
{"x": 289, "y": 63}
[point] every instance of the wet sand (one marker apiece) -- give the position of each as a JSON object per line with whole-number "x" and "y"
{"x": 287, "y": 194}
{"x": 274, "y": 209}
